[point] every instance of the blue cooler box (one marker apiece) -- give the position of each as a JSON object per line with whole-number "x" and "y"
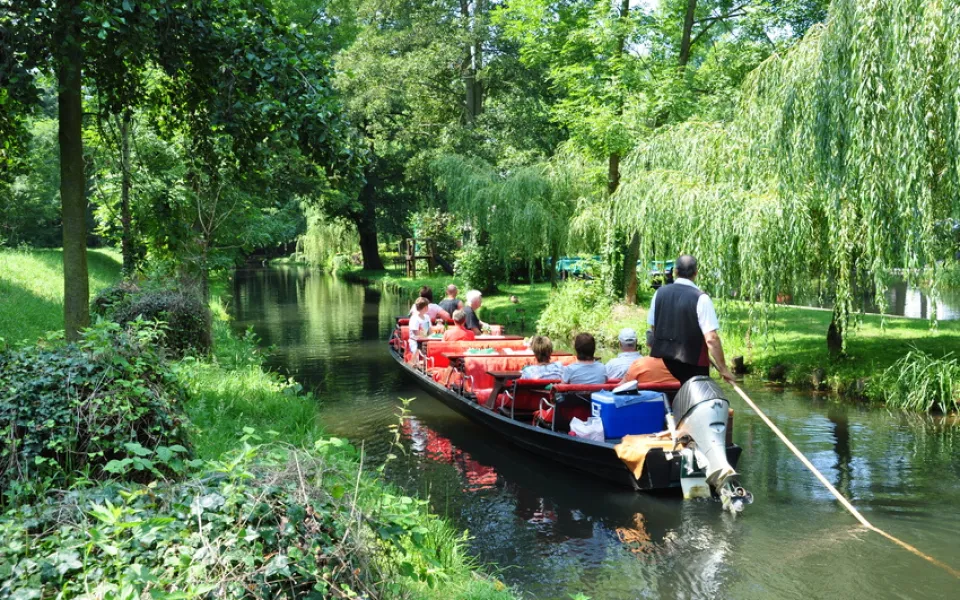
{"x": 640, "y": 412}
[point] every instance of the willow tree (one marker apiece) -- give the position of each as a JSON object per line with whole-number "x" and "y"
{"x": 840, "y": 162}
{"x": 521, "y": 214}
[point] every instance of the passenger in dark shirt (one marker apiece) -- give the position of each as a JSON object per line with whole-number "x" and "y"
{"x": 451, "y": 303}
{"x": 474, "y": 300}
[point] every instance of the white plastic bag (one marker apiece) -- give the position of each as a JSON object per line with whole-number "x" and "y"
{"x": 591, "y": 429}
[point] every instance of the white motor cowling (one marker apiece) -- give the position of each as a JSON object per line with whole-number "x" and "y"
{"x": 701, "y": 411}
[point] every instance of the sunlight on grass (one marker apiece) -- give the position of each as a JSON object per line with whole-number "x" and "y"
{"x": 31, "y": 288}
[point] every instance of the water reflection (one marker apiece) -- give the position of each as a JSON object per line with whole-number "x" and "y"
{"x": 554, "y": 532}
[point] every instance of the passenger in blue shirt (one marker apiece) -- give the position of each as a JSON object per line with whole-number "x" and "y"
{"x": 587, "y": 369}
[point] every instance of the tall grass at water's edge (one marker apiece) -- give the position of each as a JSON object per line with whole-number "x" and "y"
{"x": 921, "y": 382}
{"x": 31, "y": 289}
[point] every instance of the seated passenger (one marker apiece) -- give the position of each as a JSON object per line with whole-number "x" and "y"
{"x": 628, "y": 354}
{"x": 647, "y": 370}
{"x": 459, "y": 333}
{"x": 434, "y": 311}
{"x": 451, "y": 302}
{"x": 587, "y": 370}
{"x": 419, "y": 322}
{"x": 474, "y": 301}
{"x": 542, "y": 349}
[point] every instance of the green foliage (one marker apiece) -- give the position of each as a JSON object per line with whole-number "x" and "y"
{"x": 185, "y": 318}
{"x": 444, "y": 228}
{"x": 920, "y": 382}
{"x": 31, "y": 204}
{"x": 477, "y": 267}
{"x": 106, "y": 404}
{"x": 801, "y": 187}
{"x": 576, "y": 307}
{"x": 262, "y": 522}
{"x": 325, "y": 239}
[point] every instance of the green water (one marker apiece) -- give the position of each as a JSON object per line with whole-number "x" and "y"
{"x": 552, "y": 532}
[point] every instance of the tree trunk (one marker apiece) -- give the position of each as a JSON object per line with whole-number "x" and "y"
{"x": 835, "y": 338}
{"x": 126, "y": 219}
{"x": 473, "y": 89}
{"x": 686, "y": 38}
{"x": 76, "y": 285}
{"x": 366, "y": 222}
{"x": 630, "y": 281}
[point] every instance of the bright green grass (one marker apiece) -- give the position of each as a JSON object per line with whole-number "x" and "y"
{"x": 31, "y": 289}
{"x": 796, "y": 337}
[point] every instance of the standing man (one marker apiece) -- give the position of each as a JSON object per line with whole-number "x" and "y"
{"x": 451, "y": 303}
{"x": 684, "y": 325}
{"x": 617, "y": 367}
{"x": 474, "y": 301}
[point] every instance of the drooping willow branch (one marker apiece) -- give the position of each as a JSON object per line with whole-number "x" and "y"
{"x": 840, "y": 163}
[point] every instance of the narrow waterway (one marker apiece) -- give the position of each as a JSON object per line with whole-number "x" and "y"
{"x": 552, "y": 532}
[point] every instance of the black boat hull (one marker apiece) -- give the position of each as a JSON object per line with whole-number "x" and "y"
{"x": 598, "y": 459}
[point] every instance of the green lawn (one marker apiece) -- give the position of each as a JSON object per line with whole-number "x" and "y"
{"x": 796, "y": 337}
{"x": 31, "y": 289}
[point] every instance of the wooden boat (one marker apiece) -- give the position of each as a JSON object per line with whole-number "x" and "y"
{"x": 661, "y": 469}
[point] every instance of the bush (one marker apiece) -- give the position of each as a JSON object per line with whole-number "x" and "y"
{"x": 109, "y": 299}
{"x": 921, "y": 382}
{"x": 105, "y": 403}
{"x": 577, "y": 306}
{"x": 262, "y": 522}
{"x": 477, "y": 267}
{"x": 186, "y": 318}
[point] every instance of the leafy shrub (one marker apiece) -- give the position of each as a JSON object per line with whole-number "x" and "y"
{"x": 340, "y": 264}
{"x": 186, "y": 317}
{"x": 262, "y": 522}
{"x": 577, "y": 306}
{"x": 111, "y": 298}
{"x": 919, "y": 381}
{"x": 477, "y": 267}
{"x": 77, "y": 408}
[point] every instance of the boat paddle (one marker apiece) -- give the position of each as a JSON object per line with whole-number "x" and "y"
{"x": 840, "y": 498}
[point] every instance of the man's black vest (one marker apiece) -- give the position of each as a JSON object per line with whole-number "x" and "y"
{"x": 676, "y": 329}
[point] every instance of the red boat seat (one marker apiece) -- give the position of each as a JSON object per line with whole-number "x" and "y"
{"x": 476, "y": 367}
{"x": 437, "y": 348}
{"x": 524, "y": 396}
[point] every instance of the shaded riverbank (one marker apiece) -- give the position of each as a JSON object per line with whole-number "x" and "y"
{"x": 554, "y": 533}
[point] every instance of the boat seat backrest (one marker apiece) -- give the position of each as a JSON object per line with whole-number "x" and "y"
{"x": 528, "y": 393}
{"x": 476, "y": 367}
{"x": 437, "y": 348}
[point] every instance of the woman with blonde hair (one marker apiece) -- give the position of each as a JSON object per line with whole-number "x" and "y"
{"x": 542, "y": 349}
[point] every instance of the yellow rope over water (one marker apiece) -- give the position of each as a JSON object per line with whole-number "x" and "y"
{"x": 846, "y": 503}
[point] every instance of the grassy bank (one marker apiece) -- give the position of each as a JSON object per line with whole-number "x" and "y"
{"x": 286, "y": 511}
{"x": 31, "y": 289}
{"x": 497, "y": 307}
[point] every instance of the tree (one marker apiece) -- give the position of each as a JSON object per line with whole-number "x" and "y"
{"x": 66, "y": 37}
{"x": 801, "y": 188}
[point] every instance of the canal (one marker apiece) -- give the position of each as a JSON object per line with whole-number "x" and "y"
{"x": 553, "y": 533}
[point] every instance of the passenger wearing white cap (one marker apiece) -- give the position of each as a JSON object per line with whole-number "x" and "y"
{"x": 618, "y": 366}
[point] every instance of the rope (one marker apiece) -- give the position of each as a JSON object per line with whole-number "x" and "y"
{"x": 840, "y": 498}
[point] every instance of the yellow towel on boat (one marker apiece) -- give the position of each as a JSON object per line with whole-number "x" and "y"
{"x": 632, "y": 450}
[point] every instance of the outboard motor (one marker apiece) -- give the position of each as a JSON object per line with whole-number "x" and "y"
{"x": 701, "y": 411}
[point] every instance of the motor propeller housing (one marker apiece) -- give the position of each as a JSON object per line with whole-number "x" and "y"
{"x": 701, "y": 410}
